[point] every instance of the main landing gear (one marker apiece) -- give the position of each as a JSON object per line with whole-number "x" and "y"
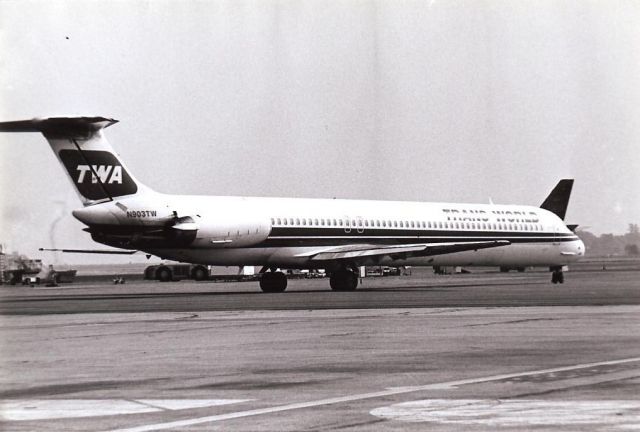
{"x": 343, "y": 280}
{"x": 273, "y": 282}
{"x": 557, "y": 276}
{"x": 340, "y": 280}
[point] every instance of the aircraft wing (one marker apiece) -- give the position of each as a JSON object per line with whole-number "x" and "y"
{"x": 356, "y": 252}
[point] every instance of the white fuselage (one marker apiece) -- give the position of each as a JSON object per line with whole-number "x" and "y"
{"x": 280, "y": 232}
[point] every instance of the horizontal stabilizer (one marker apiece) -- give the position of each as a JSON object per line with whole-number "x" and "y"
{"x": 558, "y": 200}
{"x": 92, "y": 251}
{"x": 62, "y": 127}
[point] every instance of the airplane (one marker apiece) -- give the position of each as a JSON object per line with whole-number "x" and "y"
{"x": 338, "y": 235}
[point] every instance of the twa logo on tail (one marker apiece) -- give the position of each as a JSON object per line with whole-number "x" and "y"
{"x": 106, "y": 173}
{"x": 97, "y": 174}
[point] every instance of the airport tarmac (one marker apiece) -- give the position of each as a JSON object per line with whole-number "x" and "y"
{"x": 466, "y": 352}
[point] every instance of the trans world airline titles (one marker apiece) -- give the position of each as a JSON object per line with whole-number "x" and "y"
{"x": 333, "y": 234}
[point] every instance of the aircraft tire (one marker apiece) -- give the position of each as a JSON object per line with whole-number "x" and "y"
{"x": 273, "y": 282}
{"x": 199, "y": 273}
{"x": 164, "y": 274}
{"x": 343, "y": 280}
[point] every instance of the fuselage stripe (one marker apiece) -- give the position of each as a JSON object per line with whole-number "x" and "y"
{"x": 297, "y": 236}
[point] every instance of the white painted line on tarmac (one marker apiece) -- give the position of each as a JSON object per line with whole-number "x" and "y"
{"x": 453, "y": 384}
{"x": 362, "y": 396}
{"x": 48, "y": 409}
{"x": 518, "y": 413}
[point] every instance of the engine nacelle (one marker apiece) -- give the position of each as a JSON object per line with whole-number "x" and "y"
{"x": 148, "y": 223}
{"x": 230, "y": 230}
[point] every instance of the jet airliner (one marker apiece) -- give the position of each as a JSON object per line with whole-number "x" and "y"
{"x": 338, "y": 235}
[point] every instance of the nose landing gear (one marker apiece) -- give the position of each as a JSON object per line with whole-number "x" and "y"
{"x": 557, "y": 276}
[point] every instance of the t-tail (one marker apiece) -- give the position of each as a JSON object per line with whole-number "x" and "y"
{"x": 90, "y": 162}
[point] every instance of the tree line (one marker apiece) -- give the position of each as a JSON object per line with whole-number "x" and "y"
{"x": 627, "y": 244}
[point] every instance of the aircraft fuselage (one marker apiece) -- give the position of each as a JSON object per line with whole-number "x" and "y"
{"x": 280, "y": 232}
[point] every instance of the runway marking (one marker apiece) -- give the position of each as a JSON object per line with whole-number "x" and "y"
{"x": 46, "y": 409}
{"x": 363, "y": 396}
{"x": 619, "y": 414}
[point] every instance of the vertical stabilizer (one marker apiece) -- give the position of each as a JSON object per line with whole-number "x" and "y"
{"x": 90, "y": 162}
{"x": 558, "y": 200}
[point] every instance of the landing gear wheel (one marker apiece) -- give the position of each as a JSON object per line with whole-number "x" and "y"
{"x": 164, "y": 274}
{"x": 199, "y": 274}
{"x": 273, "y": 282}
{"x": 557, "y": 276}
{"x": 343, "y": 280}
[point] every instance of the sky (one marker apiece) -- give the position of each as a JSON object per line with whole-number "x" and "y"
{"x": 451, "y": 101}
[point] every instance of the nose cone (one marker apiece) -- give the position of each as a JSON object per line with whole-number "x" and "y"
{"x": 581, "y": 249}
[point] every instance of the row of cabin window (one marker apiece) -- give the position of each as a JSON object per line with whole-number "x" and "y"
{"x": 367, "y": 223}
